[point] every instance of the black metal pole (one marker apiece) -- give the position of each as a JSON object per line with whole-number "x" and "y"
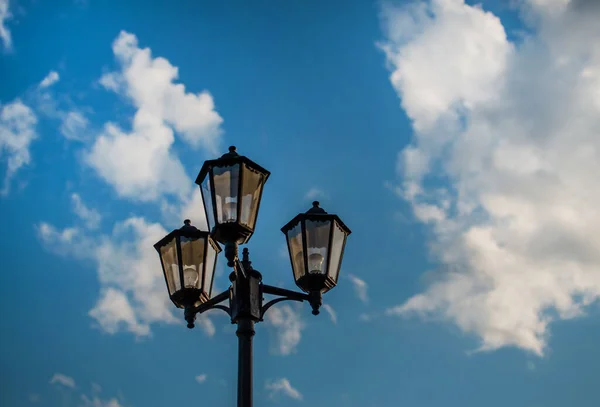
{"x": 245, "y": 332}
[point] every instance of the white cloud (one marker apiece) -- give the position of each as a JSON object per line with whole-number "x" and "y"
{"x": 66, "y": 242}
{"x": 201, "y": 378}
{"x": 288, "y": 327}
{"x": 360, "y": 288}
{"x": 314, "y": 193}
{"x": 17, "y": 131}
{"x": 364, "y": 317}
{"x": 140, "y": 164}
{"x": 98, "y": 402}
{"x": 73, "y": 125}
{"x": 5, "y": 15}
{"x": 191, "y": 208}
{"x": 63, "y": 380}
{"x": 513, "y": 132}
{"x": 331, "y": 312}
{"x": 114, "y": 310}
{"x": 282, "y": 386}
{"x": 133, "y": 292}
{"x": 150, "y": 84}
{"x": 111, "y": 81}
{"x": 431, "y": 87}
{"x": 50, "y": 79}
{"x": 91, "y": 217}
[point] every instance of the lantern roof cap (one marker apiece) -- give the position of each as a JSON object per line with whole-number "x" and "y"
{"x": 316, "y": 209}
{"x": 228, "y": 159}
{"x": 231, "y": 153}
{"x": 188, "y": 227}
{"x": 316, "y": 213}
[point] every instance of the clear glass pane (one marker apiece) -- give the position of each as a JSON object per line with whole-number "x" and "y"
{"x": 192, "y": 256}
{"x": 337, "y": 246}
{"x": 252, "y": 183}
{"x": 209, "y": 272}
{"x": 294, "y": 238}
{"x": 317, "y": 243}
{"x": 208, "y": 206}
{"x": 168, "y": 254}
{"x": 226, "y": 181}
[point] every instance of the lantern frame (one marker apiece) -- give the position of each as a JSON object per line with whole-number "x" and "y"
{"x": 186, "y": 296}
{"x": 230, "y": 232}
{"x": 311, "y": 282}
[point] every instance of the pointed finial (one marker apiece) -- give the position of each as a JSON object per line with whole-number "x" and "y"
{"x": 232, "y": 149}
{"x": 187, "y": 222}
{"x": 246, "y": 259}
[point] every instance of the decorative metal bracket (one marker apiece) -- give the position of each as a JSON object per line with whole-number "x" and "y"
{"x": 288, "y": 295}
{"x": 246, "y": 293}
{"x": 213, "y": 303}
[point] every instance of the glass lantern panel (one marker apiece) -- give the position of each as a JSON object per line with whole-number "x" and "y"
{"x": 337, "y": 247}
{"x": 208, "y": 203}
{"x": 227, "y": 180}
{"x": 192, "y": 258}
{"x": 317, "y": 243}
{"x": 168, "y": 255}
{"x": 211, "y": 258}
{"x": 294, "y": 240}
{"x": 252, "y": 183}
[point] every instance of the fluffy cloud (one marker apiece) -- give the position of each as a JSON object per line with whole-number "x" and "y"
{"x": 133, "y": 293}
{"x": 360, "y": 288}
{"x": 91, "y": 217}
{"x": 59, "y": 378}
{"x": 73, "y": 125}
{"x": 17, "y": 131}
{"x": 192, "y": 207}
{"x": 50, "y": 79}
{"x": 331, "y": 312}
{"x": 287, "y": 326}
{"x": 314, "y": 193}
{"x": 201, "y": 378}
{"x": 140, "y": 164}
{"x": 98, "y": 402}
{"x": 512, "y": 131}
{"x": 283, "y": 387}
{"x": 5, "y": 15}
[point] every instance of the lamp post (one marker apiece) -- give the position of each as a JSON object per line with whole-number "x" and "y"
{"x": 231, "y": 189}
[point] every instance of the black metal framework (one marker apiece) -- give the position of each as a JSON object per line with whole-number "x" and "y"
{"x": 326, "y": 278}
{"x": 245, "y": 295}
{"x": 180, "y": 293}
{"x": 238, "y": 168}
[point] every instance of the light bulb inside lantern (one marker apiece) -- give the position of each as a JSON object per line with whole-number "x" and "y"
{"x": 190, "y": 277}
{"x": 230, "y": 211}
{"x": 315, "y": 262}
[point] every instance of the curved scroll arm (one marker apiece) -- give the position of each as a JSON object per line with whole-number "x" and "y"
{"x": 213, "y": 303}
{"x": 285, "y": 295}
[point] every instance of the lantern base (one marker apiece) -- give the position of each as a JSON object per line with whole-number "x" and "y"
{"x": 316, "y": 282}
{"x": 188, "y": 297}
{"x": 231, "y": 233}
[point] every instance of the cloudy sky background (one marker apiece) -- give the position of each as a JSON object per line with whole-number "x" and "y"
{"x": 459, "y": 141}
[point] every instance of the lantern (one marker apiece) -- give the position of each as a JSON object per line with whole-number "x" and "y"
{"x": 188, "y": 257}
{"x": 231, "y": 189}
{"x": 316, "y": 243}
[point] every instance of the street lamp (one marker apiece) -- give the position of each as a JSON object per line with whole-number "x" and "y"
{"x": 231, "y": 189}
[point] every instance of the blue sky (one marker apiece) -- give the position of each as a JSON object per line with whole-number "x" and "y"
{"x": 459, "y": 142}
